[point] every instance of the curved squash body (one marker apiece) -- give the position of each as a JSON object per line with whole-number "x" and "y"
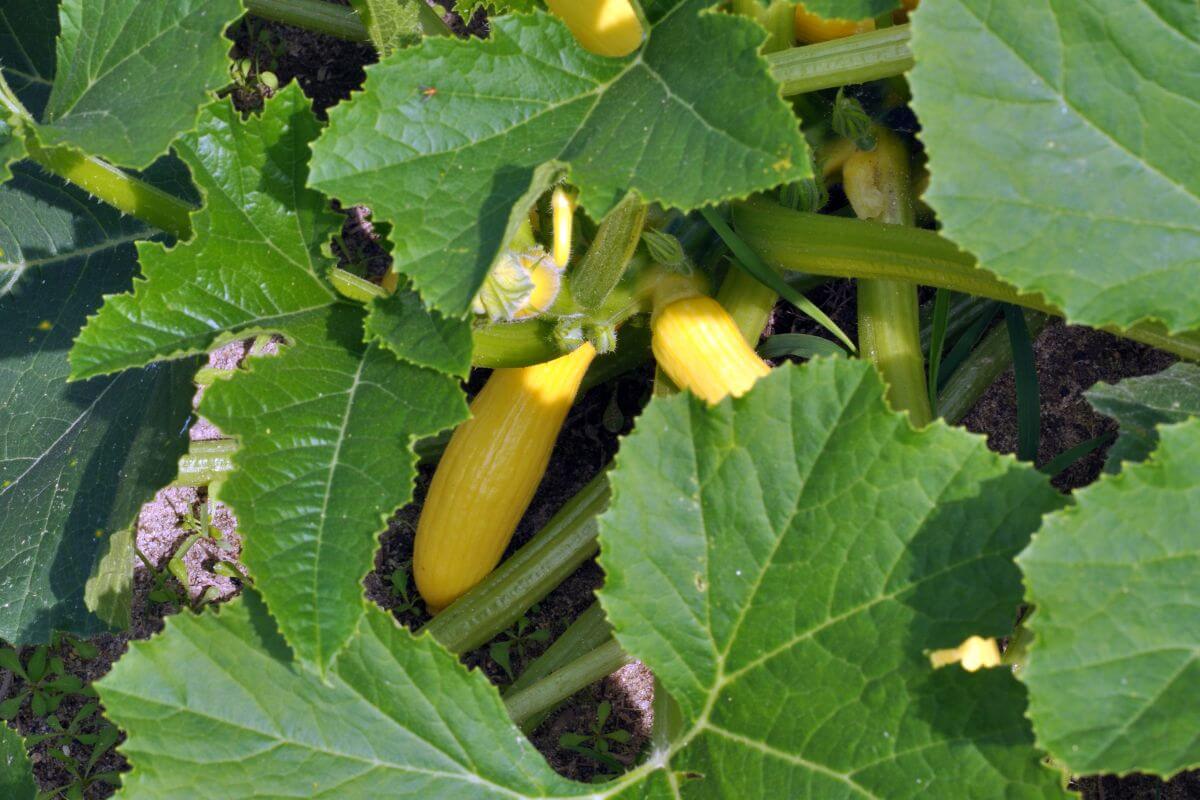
{"x": 489, "y": 473}
{"x": 700, "y": 348}
{"x": 811, "y": 28}
{"x": 605, "y": 27}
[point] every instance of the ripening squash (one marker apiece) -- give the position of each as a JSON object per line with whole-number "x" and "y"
{"x": 811, "y": 28}
{"x": 605, "y": 27}
{"x": 700, "y": 348}
{"x": 489, "y": 473}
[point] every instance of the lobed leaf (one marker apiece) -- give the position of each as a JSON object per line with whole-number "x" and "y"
{"x": 325, "y": 456}
{"x": 1142, "y": 404}
{"x": 325, "y": 429}
{"x": 1114, "y": 668}
{"x": 132, "y": 74}
{"x": 1060, "y": 145}
{"x": 781, "y": 562}
{"x": 256, "y": 259}
{"x": 76, "y": 461}
{"x": 397, "y": 716}
{"x": 452, "y": 140}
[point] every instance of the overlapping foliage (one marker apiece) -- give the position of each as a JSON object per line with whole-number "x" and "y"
{"x": 784, "y": 562}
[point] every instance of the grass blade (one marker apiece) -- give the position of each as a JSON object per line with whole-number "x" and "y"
{"x": 749, "y": 261}
{"x": 1029, "y": 402}
{"x": 937, "y": 340}
{"x": 1065, "y": 459}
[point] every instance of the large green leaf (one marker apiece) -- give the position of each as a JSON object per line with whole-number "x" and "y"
{"x": 255, "y": 262}
{"x": 1062, "y": 146}
{"x": 325, "y": 429}
{"x": 1140, "y": 405}
{"x": 326, "y": 432}
{"x": 781, "y": 563}
{"x": 76, "y": 461}
{"x": 16, "y": 773}
{"x": 1114, "y": 668}
{"x": 133, "y": 73}
{"x": 27, "y": 32}
{"x": 398, "y": 716}
{"x": 449, "y": 136}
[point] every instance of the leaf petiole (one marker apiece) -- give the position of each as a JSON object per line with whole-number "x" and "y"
{"x": 821, "y": 244}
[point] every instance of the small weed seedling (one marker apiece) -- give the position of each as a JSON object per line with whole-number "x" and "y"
{"x": 518, "y": 638}
{"x": 594, "y": 745}
{"x": 46, "y": 682}
{"x": 401, "y": 589}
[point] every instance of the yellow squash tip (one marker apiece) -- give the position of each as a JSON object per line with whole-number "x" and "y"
{"x": 698, "y": 345}
{"x": 604, "y": 27}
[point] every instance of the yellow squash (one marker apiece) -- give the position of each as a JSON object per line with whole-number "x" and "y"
{"x": 605, "y": 27}
{"x": 811, "y": 28}
{"x": 700, "y": 348}
{"x": 489, "y": 473}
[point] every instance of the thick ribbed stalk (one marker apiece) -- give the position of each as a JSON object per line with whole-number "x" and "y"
{"x": 489, "y": 473}
{"x": 206, "y": 462}
{"x": 557, "y": 550}
{"x": 855, "y": 59}
{"x": 748, "y": 302}
{"x": 889, "y": 326}
{"x": 581, "y": 637}
{"x": 821, "y": 244}
{"x": 335, "y": 20}
{"x": 987, "y": 362}
{"x": 561, "y": 684}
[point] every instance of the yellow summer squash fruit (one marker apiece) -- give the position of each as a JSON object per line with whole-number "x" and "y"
{"x": 605, "y": 27}
{"x": 700, "y": 348}
{"x": 811, "y": 28}
{"x": 489, "y": 473}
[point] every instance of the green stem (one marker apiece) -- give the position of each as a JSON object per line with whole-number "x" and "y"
{"x": 105, "y": 182}
{"x": 561, "y": 684}
{"x": 749, "y": 302}
{"x": 557, "y": 550}
{"x": 117, "y": 188}
{"x": 889, "y": 322}
{"x": 889, "y": 335}
{"x": 987, "y": 362}
{"x": 206, "y": 462}
{"x": 821, "y": 244}
{"x": 581, "y": 637}
{"x": 334, "y": 20}
{"x": 854, "y": 59}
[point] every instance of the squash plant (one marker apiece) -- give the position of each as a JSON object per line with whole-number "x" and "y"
{"x": 786, "y": 560}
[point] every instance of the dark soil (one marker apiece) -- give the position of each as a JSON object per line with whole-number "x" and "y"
{"x": 1070, "y": 360}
